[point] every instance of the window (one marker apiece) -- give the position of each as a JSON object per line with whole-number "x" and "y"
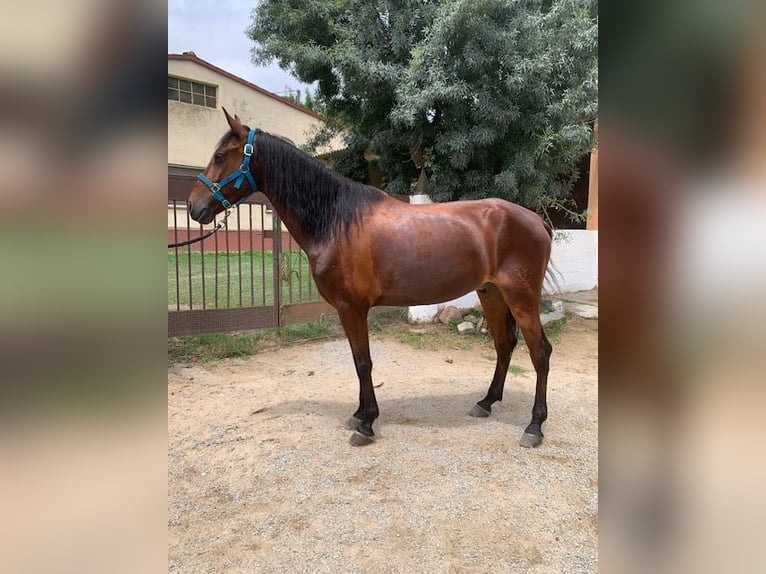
{"x": 190, "y": 92}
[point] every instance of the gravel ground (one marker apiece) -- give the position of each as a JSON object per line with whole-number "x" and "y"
{"x": 262, "y": 478}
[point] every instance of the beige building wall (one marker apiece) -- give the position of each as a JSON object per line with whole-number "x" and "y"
{"x": 194, "y": 130}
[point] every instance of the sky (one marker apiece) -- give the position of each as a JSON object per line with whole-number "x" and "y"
{"x": 215, "y": 31}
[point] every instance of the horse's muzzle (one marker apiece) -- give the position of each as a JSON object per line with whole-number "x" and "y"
{"x": 201, "y": 214}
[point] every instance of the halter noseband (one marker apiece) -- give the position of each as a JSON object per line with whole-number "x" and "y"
{"x": 238, "y": 175}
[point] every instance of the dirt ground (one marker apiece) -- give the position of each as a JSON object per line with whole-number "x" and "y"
{"x": 262, "y": 478}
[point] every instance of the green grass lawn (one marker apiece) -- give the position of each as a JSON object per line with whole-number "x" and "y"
{"x": 250, "y": 279}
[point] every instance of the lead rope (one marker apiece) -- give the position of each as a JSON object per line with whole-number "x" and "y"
{"x": 218, "y": 226}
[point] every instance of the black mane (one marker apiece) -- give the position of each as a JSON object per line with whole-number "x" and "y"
{"x": 322, "y": 202}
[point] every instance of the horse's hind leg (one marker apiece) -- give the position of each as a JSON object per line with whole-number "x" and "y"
{"x": 524, "y": 303}
{"x": 502, "y": 326}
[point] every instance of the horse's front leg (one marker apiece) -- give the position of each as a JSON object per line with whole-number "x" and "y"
{"x": 354, "y": 321}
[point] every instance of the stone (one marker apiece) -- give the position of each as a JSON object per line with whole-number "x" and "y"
{"x": 473, "y": 319}
{"x": 466, "y": 327}
{"x": 551, "y": 305}
{"x": 449, "y": 314}
{"x": 583, "y": 310}
{"x": 183, "y": 371}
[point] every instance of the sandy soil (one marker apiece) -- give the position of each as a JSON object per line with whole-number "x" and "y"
{"x": 262, "y": 478}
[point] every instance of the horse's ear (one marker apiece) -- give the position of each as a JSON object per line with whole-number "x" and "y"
{"x": 229, "y": 119}
{"x": 234, "y": 123}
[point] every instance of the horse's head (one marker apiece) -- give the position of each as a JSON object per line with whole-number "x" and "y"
{"x": 227, "y": 178}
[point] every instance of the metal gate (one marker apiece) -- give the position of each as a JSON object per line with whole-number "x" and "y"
{"x": 249, "y": 275}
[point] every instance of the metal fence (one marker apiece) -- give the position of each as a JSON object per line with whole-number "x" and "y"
{"x": 249, "y": 275}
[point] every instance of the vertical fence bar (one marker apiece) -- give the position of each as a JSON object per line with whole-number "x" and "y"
{"x": 300, "y": 275}
{"x": 239, "y": 254}
{"x": 202, "y": 263}
{"x": 294, "y": 273}
{"x": 178, "y": 273}
{"x": 290, "y": 266}
{"x": 285, "y": 263}
{"x": 299, "y": 263}
{"x": 215, "y": 239}
{"x": 263, "y": 255}
{"x": 228, "y": 267}
{"x": 311, "y": 280}
{"x": 252, "y": 279}
{"x": 277, "y": 254}
{"x": 189, "y": 259}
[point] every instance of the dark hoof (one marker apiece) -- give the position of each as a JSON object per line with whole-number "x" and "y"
{"x": 529, "y": 440}
{"x": 352, "y": 423}
{"x": 358, "y": 439}
{"x": 477, "y": 411}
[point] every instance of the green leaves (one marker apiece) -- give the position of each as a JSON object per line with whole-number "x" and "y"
{"x": 492, "y": 97}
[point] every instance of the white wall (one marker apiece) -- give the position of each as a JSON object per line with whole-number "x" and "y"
{"x": 574, "y": 255}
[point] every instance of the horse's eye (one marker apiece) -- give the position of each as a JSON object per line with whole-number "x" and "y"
{"x": 219, "y": 157}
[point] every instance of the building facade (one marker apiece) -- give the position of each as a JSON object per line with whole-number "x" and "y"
{"x": 197, "y": 90}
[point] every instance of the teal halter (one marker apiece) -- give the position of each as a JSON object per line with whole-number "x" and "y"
{"x": 239, "y": 175}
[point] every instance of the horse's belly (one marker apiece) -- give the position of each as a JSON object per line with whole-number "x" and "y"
{"x": 430, "y": 255}
{"x": 422, "y": 298}
{"x": 419, "y": 283}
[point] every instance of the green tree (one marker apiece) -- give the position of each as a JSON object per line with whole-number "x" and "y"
{"x": 308, "y": 101}
{"x": 311, "y": 102}
{"x": 492, "y": 98}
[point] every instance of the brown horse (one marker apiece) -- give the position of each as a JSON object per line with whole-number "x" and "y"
{"x": 366, "y": 248}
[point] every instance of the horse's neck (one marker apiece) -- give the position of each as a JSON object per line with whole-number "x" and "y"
{"x": 278, "y": 199}
{"x": 296, "y": 231}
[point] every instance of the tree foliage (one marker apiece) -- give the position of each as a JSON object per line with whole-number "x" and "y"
{"x": 493, "y": 98}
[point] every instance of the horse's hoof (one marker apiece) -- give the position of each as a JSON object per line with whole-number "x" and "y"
{"x": 358, "y": 439}
{"x": 529, "y": 440}
{"x": 477, "y": 411}
{"x": 352, "y": 423}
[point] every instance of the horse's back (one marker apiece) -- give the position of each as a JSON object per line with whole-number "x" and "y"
{"x": 483, "y": 221}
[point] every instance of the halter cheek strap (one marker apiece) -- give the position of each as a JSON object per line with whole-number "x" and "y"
{"x": 237, "y": 177}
